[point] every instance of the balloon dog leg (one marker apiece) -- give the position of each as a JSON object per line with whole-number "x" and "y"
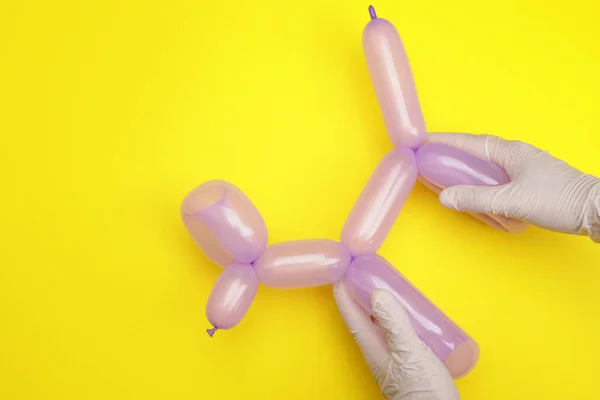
{"x": 231, "y": 297}
{"x": 450, "y": 344}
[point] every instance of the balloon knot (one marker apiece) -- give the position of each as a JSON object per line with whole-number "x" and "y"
{"x": 372, "y": 12}
{"x": 212, "y": 331}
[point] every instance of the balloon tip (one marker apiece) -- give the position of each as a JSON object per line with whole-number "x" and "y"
{"x": 212, "y": 331}
{"x": 372, "y": 12}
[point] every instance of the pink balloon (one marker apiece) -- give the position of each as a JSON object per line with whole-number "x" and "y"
{"x": 231, "y": 297}
{"x": 380, "y": 202}
{"x": 224, "y": 223}
{"x": 302, "y": 263}
{"x": 441, "y": 165}
{"x": 393, "y": 82}
{"x": 450, "y": 343}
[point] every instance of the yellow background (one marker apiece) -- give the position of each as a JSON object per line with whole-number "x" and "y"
{"x": 110, "y": 111}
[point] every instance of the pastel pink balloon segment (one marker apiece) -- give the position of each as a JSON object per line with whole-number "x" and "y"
{"x": 226, "y": 225}
{"x": 393, "y": 82}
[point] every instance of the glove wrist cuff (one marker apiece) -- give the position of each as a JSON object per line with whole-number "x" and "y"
{"x": 591, "y": 214}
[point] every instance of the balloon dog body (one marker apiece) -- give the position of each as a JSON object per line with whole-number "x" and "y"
{"x": 230, "y": 230}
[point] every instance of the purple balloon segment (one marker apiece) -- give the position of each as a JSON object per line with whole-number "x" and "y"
{"x": 441, "y": 166}
{"x": 302, "y": 264}
{"x": 380, "y": 202}
{"x": 224, "y": 223}
{"x": 446, "y": 165}
{"x": 393, "y": 82}
{"x": 451, "y": 344}
{"x": 231, "y": 297}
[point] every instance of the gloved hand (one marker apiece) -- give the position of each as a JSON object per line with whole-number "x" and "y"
{"x": 405, "y": 368}
{"x": 544, "y": 190}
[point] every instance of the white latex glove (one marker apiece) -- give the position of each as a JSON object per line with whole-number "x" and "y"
{"x": 405, "y": 368}
{"x": 543, "y": 191}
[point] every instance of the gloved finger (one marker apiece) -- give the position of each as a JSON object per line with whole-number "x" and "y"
{"x": 401, "y": 337}
{"x": 481, "y": 199}
{"x": 369, "y": 337}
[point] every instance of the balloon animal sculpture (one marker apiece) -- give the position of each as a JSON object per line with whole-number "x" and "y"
{"x": 229, "y": 229}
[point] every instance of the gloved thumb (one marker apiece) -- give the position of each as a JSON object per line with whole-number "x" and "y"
{"x": 416, "y": 372}
{"x": 479, "y": 199}
{"x": 402, "y": 338}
